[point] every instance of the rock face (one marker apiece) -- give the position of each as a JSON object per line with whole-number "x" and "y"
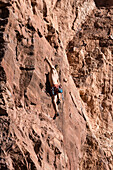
{"x": 78, "y": 36}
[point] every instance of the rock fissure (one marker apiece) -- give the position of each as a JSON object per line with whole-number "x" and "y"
{"x": 78, "y": 37}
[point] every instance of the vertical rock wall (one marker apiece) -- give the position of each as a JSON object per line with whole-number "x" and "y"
{"x": 90, "y": 54}
{"x": 82, "y": 47}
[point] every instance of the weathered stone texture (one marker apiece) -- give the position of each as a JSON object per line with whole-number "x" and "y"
{"x": 78, "y": 36}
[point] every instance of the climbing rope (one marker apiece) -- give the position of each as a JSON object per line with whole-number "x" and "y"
{"x": 63, "y": 127}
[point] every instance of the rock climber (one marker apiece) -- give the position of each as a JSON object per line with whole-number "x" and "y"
{"x": 56, "y": 88}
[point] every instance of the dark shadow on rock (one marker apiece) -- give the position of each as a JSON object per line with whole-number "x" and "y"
{"x": 2, "y": 74}
{"x": 3, "y": 5}
{"x": 25, "y": 78}
{"x": 26, "y": 73}
{"x": 103, "y": 3}
{"x": 37, "y": 146}
{"x": 48, "y": 87}
{"x": 4, "y": 14}
{"x": 3, "y": 112}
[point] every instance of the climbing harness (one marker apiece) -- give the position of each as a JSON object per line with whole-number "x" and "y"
{"x": 56, "y": 89}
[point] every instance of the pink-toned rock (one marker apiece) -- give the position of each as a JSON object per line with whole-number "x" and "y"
{"x": 78, "y": 37}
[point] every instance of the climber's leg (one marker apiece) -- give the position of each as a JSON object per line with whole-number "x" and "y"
{"x": 55, "y": 103}
{"x": 55, "y": 106}
{"x": 59, "y": 98}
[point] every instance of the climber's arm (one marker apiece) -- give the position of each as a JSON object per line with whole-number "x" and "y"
{"x": 49, "y": 62}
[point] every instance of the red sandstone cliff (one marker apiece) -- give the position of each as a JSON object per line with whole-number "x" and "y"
{"x": 78, "y": 36}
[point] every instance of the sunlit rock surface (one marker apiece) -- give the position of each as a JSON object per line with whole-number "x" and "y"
{"x": 78, "y": 36}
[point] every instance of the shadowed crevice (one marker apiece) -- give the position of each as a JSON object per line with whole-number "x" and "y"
{"x": 3, "y": 5}
{"x": 104, "y": 3}
{"x": 3, "y": 112}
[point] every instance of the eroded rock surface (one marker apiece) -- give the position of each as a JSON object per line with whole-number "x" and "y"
{"x": 78, "y": 36}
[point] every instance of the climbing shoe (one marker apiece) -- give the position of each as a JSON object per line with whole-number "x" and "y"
{"x": 57, "y": 114}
